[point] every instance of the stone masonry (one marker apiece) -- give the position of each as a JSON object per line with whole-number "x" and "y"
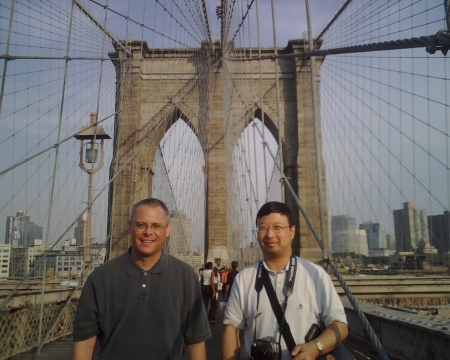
{"x": 156, "y": 87}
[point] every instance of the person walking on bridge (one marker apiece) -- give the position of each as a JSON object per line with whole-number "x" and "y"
{"x": 224, "y": 276}
{"x": 231, "y": 276}
{"x": 258, "y": 305}
{"x": 144, "y": 304}
{"x": 207, "y": 284}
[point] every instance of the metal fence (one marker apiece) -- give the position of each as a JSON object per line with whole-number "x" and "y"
{"x": 19, "y": 328}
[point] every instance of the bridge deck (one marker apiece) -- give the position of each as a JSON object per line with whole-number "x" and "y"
{"x": 62, "y": 349}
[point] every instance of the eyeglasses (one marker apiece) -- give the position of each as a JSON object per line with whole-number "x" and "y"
{"x": 263, "y": 229}
{"x": 140, "y": 228}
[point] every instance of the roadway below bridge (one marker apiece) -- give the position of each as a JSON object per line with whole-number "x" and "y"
{"x": 399, "y": 290}
{"x": 414, "y": 289}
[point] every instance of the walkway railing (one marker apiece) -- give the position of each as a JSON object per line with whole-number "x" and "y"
{"x": 18, "y": 326}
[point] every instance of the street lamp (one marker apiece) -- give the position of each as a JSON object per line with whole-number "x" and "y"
{"x": 92, "y": 134}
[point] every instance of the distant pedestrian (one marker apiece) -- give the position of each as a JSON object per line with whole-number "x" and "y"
{"x": 213, "y": 308}
{"x": 224, "y": 274}
{"x": 207, "y": 290}
{"x": 231, "y": 276}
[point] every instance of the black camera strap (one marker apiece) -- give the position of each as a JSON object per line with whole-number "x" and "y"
{"x": 285, "y": 329}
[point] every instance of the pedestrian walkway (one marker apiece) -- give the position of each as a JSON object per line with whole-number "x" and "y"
{"x": 62, "y": 349}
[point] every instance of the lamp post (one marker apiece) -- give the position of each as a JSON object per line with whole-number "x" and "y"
{"x": 92, "y": 134}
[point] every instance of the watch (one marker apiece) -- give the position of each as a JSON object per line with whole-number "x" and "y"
{"x": 319, "y": 346}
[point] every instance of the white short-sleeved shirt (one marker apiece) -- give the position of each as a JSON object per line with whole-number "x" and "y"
{"x": 207, "y": 276}
{"x": 314, "y": 300}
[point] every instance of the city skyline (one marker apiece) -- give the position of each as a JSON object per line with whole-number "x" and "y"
{"x": 368, "y": 194}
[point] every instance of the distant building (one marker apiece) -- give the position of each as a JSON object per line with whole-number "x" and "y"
{"x": 180, "y": 239}
{"x": 345, "y": 238}
{"x": 80, "y": 232}
{"x": 350, "y": 241}
{"x": 411, "y": 226}
{"x": 20, "y": 231}
{"x": 62, "y": 262}
{"x": 381, "y": 252}
{"x": 390, "y": 241}
{"x": 5, "y": 260}
{"x": 98, "y": 254}
{"x": 343, "y": 222}
{"x": 376, "y": 238}
{"x": 70, "y": 242}
{"x": 23, "y": 259}
{"x": 439, "y": 232}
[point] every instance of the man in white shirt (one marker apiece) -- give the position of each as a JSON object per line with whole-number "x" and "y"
{"x": 313, "y": 300}
{"x": 207, "y": 290}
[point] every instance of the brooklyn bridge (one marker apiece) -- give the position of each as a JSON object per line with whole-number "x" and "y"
{"x": 341, "y": 109}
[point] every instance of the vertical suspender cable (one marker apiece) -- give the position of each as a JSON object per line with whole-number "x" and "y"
{"x": 5, "y": 65}
{"x": 280, "y": 144}
{"x": 90, "y": 202}
{"x": 253, "y": 116}
{"x": 373, "y": 337}
{"x": 54, "y": 171}
{"x": 447, "y": 17}
{"x": 261, "y": 97}
{"x": 447, "y": 12}
{"x": 317, "y": 140}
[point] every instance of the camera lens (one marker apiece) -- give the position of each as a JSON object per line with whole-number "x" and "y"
{"x": 261, "y": 353}
{"x": 265, "y": 349}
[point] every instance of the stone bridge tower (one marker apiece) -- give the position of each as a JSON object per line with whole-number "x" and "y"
{"x": 156, "y": 87}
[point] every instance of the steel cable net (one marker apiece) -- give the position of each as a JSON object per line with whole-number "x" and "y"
{"x": 384, "y": 118}
{"x": 273, "y": 192}
{"x": 377, "y": 162}
{"x": 56, "y": 72}
{"x": 386, "y": 137}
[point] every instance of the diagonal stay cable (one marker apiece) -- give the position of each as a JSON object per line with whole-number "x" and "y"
{"x": 57, "y": 144}
{"x": 145, "y": 26}
{"x": 340, "y": 11}
{"x": 399, "y": 160}
{"x": 361, "y": 315}
{"x": 367, "y": 327}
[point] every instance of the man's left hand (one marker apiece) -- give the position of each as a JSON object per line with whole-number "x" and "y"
{"x": 306, "y": 351}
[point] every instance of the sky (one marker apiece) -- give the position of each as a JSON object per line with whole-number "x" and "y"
{"x": 361, "y": 98}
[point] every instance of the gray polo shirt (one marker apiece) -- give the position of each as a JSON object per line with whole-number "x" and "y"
{"x": 139, "y": 314}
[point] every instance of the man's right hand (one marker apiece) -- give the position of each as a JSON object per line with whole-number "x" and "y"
{"x": 84, "y": 350}
{"x": 231, "y": 343}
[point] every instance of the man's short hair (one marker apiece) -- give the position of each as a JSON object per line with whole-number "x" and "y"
{"x": 234, "y": 264}
{"x": 274, "y": 207}
{"x": 150, "y": 202}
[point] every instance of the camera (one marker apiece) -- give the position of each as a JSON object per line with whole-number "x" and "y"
{"x": 265, "y": 349}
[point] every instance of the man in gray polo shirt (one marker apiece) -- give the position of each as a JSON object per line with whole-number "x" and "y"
{"x": 144, "y": 304}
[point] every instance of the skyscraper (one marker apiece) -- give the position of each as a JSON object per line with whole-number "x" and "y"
{"x": 439, "y": 231}
{"x": 343, "y": 222}
{"x": 390, "y": 241}
{"x": 20, "y": 231}
{"x": 411, "y": 226}
{"x": 80, "y": 232}
{"x": 376, "y": 238}
{"x": 345, "y": 238}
